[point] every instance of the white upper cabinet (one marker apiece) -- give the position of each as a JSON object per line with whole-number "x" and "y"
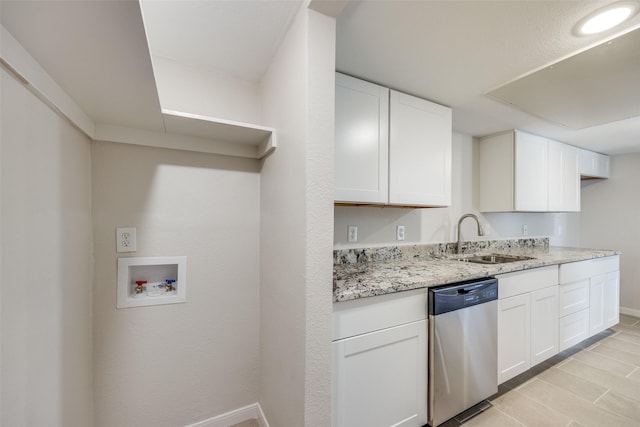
{"x": 593, "y": 165}
{"x": 391, "y": 148}
{"x": 362, "y": 141}
{"x": 521, "y": 172}
{"x": 513, "y": 173}
{"x": 420, "y": 152}
{"x": 564, "y": 178}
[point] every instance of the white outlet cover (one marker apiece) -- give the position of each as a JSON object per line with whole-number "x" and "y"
{"x": 400, "y": 232}
{"x": 352, "y": 233}
{"x": 125, "y": 239}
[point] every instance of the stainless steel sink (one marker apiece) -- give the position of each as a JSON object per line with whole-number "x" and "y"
{"x": 494, "y": 259}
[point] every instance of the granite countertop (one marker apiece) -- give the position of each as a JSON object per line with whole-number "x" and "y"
{"x": 360, "y": 273}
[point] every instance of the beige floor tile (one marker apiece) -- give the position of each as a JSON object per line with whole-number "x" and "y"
{"x": 626, "y": 336}
{"x": 622, "y": 345}
{"x": 248, "y": 423}
{"x": 622, "y": 385}
{"x": 625, "y": 319}
{"x": 577, "y": 385}
{"x": 621, "y": 327}
{"x": 623, "y": 356}
{"x": 578, "y": 409}
{"x": 575, "y": 424}
{"x": 492, "y": 417}
{"x": 635, "y": 375}
{"x": 601, "y": 361}
{"x": 621, "y": 405}
{"x": 529, "y": 412}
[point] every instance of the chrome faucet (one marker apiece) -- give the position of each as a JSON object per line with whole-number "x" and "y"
{"x": 480, "y": 232}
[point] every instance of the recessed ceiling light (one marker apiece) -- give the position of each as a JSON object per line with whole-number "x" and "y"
{"x": 607, "y": 17}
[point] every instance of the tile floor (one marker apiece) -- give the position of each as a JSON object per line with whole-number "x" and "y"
{"x": 596, "y": 383}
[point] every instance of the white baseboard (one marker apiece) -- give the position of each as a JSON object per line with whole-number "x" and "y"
{"x": 630, "y": 311}
{"x": 253, "y": 411}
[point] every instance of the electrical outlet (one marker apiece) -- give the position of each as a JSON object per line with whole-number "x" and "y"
{"x": 352, "y": 235}
{"x": 125, "y": 239}
{"x": 525, "y": 230}
{"x": 400, "y": 232}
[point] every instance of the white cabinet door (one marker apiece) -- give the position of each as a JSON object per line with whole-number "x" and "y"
{"x": 544, "y": 324}
{"x": 573, "y": 329}
{"x": 362, "y": 141}
{"x": 596, "y": 304}
{"x": 573, "y": 297}
{"x": 380, "y": 378}
{"x": 611, "y": 301}
{"x": 419, "y": 152}
{"x": 564, "y": 178}
{"x": 531, "y": 172}
{"x": 594, "y": 165}
{"x": 514, "y": 332}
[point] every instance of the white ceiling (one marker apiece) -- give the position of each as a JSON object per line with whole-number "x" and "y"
{"x": 451, "y": 52}
{"x": 237, "y": 38}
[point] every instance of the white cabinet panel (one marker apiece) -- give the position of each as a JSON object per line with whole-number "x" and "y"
{"x": 362, "y": 141}
{"x": 564, "y": 179}
{"x": 544, "y": 324}
{"x": 531, "y": 172}
{"x": 380, "y": 378}
{"x": 390, "y": 150}
{"x": 573, "y": 329}
{"x": 514, "y": 336}
{"x": 596, "y": 304}
{"x": 521, "y": 172}
{"x": 574, "y": 297}
{"x": 594, "y": 165}
{"x": 611, "y": 302}
{"x": 420, "y": 152}
{"x": 363, "y": 315}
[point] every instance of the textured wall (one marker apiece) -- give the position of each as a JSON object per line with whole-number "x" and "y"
{"x": 46, "y": 265}
{"x": 173, "y": 365}
{"x": 609, "y": 219}
{"x": 295, "y": 246}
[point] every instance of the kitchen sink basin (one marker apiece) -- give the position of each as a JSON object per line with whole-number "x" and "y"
{"x": 494, "y": 259}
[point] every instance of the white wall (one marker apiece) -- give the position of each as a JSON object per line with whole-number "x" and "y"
{"x": 610, "y": 219}
{"x": 173, "y": 365}
{"x": 296, "y": 215}
{"x": 46, "y": 265}
{"x": 192, "y": 89}
{"x": 377, "y": 225}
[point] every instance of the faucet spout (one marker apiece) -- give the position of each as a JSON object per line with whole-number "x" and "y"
{"x": 480, "y": 231}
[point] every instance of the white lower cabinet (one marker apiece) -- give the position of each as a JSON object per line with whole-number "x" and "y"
{"x": 380, "y": 378}
{"x": 604, "y": 309}
{"x": 514, "y": 342}
{"x": 589, "y": 299}
{"x": 544, "y": 324}
{"x": 527, "y": 320}
{"x": 380, "y": 361}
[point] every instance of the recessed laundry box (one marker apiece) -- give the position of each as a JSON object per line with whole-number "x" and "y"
{"x": 144, "y": 281}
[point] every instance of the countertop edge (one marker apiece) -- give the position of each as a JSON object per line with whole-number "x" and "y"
{"x": 481, "y": 271}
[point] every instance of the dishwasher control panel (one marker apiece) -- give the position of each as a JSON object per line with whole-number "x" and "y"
{"x": 443, "y": 299}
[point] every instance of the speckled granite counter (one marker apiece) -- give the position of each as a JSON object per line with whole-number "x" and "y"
{"x": 360, "y": 273}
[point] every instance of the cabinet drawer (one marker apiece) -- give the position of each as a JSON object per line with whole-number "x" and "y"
{"x": 521, "y": 282}
{"x": 574, "y": 271}
{"x": 365, "y": 315}
{"x": 605, "y": 265}
{"x": 573, "y": 329}
{"x": 573, "y": 297}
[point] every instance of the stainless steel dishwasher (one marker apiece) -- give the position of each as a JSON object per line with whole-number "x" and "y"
{"x": 463, "y": 347}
